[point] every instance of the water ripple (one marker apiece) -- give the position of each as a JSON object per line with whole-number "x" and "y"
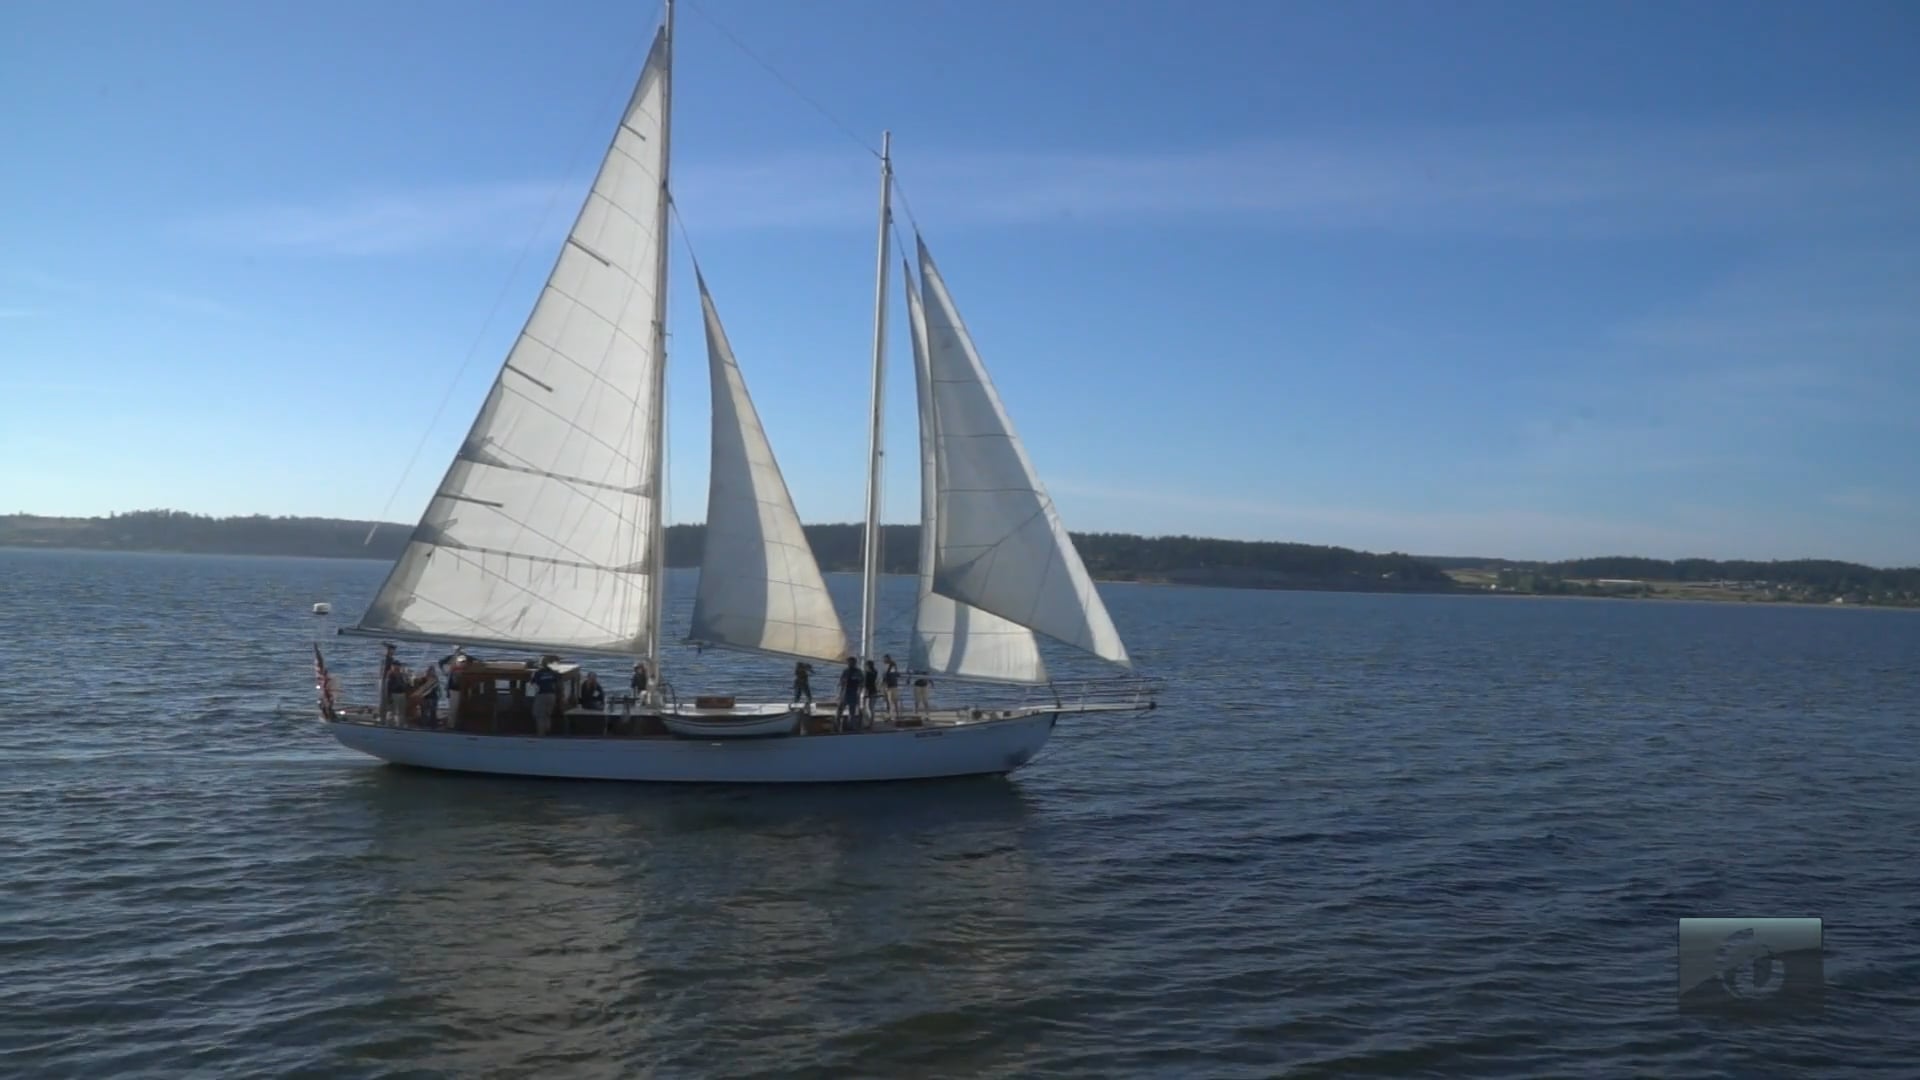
{"x": 1368, "y": 835}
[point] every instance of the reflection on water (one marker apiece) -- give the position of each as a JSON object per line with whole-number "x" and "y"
{"x": 575, "y": 908}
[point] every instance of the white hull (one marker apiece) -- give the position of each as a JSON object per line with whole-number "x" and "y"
{"x": 965, "y": 749}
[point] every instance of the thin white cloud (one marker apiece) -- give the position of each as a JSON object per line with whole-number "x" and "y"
{"x": 1567, "y": 177}
{"x": 1508, "y": 532}
{"x": 190, "y": 304}
{"x": 1554, "y": 178}
{"x": 37, "y": 280}
{"x": 33, "y": 281}
{"x": 1875, "y": 502}
{"x": 384, "y": 223}
{"x": 1699, "y": 529}
{"x": 1724, "y": 380}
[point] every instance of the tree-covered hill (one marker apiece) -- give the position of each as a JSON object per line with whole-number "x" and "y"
{"x": 1109, "y": 556}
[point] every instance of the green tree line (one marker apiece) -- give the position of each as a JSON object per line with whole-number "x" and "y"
{"x": 1823, "y": 575}
{"x": 1111, "y": 556}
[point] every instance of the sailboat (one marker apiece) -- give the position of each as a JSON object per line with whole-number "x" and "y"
{"x": 545, "y": 542}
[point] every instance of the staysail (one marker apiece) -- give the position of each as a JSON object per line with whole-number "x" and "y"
{"x": 540, "y": 534}
{"x": 999, "y": 544}
{"x": 951, "y": 638}
{"x": 760, "y": 585}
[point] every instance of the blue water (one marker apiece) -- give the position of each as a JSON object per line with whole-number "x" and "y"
{"x": 1364, "y": 835}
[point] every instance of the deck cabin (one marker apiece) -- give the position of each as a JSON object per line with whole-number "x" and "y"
{"x": 496, "y": 696}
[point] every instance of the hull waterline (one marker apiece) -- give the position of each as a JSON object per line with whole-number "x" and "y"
{"x": 970, "y": 749}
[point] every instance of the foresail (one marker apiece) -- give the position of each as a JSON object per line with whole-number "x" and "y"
{"x": 951, "y": 638}
{"x": 539, "y": 532}
{"x": 999, "y": 543}
{"x": 760, "y": 586}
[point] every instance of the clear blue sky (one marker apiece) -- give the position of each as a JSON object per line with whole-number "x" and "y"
{"x": 1516, "y": 279}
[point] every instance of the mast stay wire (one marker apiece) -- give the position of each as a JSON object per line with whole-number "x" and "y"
{"x": 791, "y": 87}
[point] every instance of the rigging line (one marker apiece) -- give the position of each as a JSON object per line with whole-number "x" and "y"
{"x": 906, "y": 204}
{"x": 624, "y": 87}
{"x": 673, "y": 209}
{"x": 783, "y": 80}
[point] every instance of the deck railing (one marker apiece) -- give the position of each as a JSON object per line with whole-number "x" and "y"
{"x": 1134, "y": 693}
{"x": 1121, "y": 694}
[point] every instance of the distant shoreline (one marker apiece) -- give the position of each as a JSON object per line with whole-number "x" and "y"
{"x": 1675, "y": 595}
{"x": 1118, "y": 558}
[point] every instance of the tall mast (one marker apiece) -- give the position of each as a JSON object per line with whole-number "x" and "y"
{"x": 870, "y": 572}
{"x": 657, "y": 457}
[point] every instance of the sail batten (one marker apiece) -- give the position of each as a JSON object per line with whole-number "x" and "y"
{"x": 999, "y": 545}
{"x": 760, "y": 588}
{"x": 950, "y": 638}
{"x": 539, "y": 532}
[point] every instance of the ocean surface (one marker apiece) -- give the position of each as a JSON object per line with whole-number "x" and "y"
{"x": 1364, "y": 835}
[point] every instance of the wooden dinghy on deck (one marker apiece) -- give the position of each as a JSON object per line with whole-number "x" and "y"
{"x": 720, "y": 717}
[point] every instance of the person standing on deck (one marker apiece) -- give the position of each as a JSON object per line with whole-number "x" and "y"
{"x": 921, "y": 704}
{"x": 802, "y": 685}
{"x": 387, "y": 663}
{"x": 639, "y": 683}
{"x": 399, "y": 692}
{"x": 546, "y": 686}
{"x": 451, "y": 664}
{"x": 591, "y": 695}
{"x": 890, "y": 682}
{"x": 849, "y": 692}
{"x": 872, "y": 686}
{"x": 427, "y": 688}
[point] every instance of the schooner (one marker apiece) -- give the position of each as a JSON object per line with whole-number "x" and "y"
{"x": 545, "y": 539}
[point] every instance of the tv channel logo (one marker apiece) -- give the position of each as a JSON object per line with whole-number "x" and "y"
{"x": 1752, "y": 967}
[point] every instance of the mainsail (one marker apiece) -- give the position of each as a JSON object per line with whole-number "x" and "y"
{"x": 951, "y": 638}
{"x": 542, "y": 531}
{"x": 760, "y": 586}
{"x": 998, "y": 544}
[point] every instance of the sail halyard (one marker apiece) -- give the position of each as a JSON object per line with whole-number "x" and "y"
{"x": 1000, "y": 545}
{"x": 870, "y": 548}
{"x": 530, "y": 537}
{"x": 760, "y": 588}
{"x": 952, "y": 639}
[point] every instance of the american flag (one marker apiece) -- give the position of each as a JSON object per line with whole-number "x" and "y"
{"x": 322, "y": 683}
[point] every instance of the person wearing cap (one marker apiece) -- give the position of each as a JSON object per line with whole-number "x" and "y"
{"x": 546, "y": 687}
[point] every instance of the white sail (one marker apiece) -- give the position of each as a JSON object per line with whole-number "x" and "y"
{"x": 760, "y": 586}
{"x": 951, "y": 638}
{"x": 999, "y": 544}
{"x": 539, "y": 534}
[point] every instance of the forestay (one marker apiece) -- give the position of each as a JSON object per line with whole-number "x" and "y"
{"x": 999, "y": 544}
{"x": 951, "y": 638}
{"x": 760, "y": 585}
{"x": 539, "y": 534}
